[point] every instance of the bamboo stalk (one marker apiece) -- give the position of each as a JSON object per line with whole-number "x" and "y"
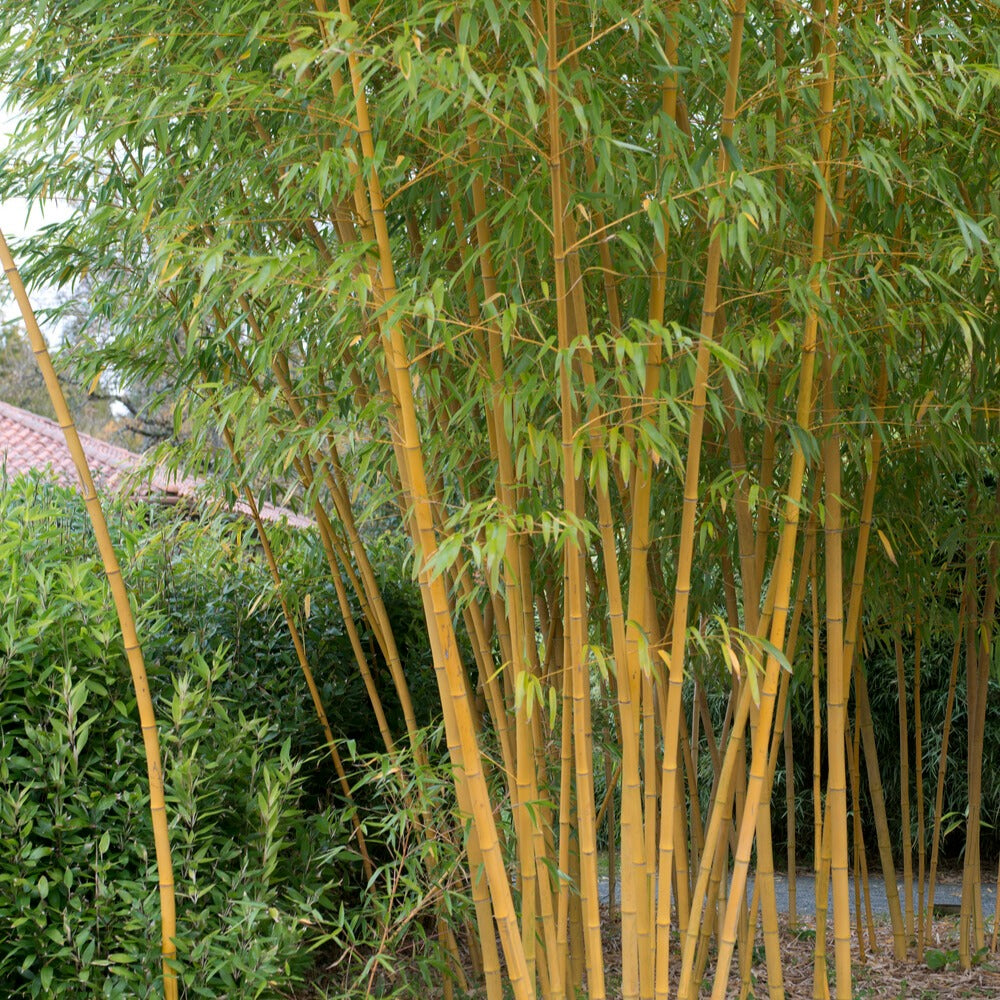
{"x": 566, "y": 765}
{"x": 855, "y": 743}
{"x": 133, "y": 650}
{"x": 857, "y": 843}
{"x": 685, "y": 547}
{"x": 821, "y": 986}
{"x": 781, "y": 712}
{"x": 764, "y": 882}
{"x": 817, "y": 726}
{"x": 697, "y": 830}
{"x": 979, "y": 644}
{"x": 763, "y": 877}
{"x": 575, "y": 607}
{"x": 904, "y": 786}
{"x": 918, "y": 756}
{"x": 851, "y": 643}
{"x": 637, "y": 715}
{"x": 793, "y": 916}
{"x": 864, "y": 721}
{"x": 611, "y": 780}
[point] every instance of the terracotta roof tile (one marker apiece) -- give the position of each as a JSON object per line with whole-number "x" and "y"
{"x": 29, "y": 442}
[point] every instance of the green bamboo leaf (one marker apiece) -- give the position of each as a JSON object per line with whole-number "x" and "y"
{"x": 732, "y": 152}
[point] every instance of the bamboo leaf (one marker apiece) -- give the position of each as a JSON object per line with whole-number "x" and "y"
{"x": 888, "y": 548}
{"x": 754, "y": 686}
{"x": 732, "y": 152}
{"x": 734, "y": 663}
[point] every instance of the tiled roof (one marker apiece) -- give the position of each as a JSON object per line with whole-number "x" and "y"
{"x": 29, "y": 443}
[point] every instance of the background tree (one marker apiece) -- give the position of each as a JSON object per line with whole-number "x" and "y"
{"x": 21, "y": 385}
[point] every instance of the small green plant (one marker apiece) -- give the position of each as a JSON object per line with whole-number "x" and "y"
{"x": 393, "y": 942}
{"x": 938, "y": 959}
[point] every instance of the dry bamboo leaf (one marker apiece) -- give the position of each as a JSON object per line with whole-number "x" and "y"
{"x": 733, "y": 660}
{"x": 924, "y": 404}
{"x": 256, "y": 603}
{"x": 166, "y": 277}
{"x": 887, "y": 547}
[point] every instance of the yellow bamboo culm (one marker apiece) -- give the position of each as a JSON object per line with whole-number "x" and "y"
{"x": 137, "y": 666}
{"x": 676, "y": 660}
{"x": 484, "y": 844}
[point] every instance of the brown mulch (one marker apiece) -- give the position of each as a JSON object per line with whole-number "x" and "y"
{"x": 876, "y": 976}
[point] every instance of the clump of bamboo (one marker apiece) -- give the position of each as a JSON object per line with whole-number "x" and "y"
{"x": 585, "y": 360}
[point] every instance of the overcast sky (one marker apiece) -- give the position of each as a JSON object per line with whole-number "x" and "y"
{"x": 16, "y": 223}
{"x": 14, "y": 219}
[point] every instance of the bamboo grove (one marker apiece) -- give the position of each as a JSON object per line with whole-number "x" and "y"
{"x": 668, "y": 334}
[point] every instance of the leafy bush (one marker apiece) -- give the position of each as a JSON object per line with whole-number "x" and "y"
{"x": 78, "y": 899}
{"x": 252, "y": 884}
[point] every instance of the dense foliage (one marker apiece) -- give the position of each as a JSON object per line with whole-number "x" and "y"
{"x": 260, "y": 834}
{"x": 669, "y": 334}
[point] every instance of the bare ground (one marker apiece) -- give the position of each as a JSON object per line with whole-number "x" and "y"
{"x": 877, "y": 975}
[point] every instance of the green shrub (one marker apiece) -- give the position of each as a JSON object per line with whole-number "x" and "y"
{"x": 78, "y": 897}
{"x": 252, "y": 884}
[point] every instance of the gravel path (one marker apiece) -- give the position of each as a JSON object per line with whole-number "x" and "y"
{"x": 948, "y": 892}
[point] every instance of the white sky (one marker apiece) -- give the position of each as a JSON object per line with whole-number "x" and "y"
{"x": 16, "y": 223}
{"x": 14, "y": 219}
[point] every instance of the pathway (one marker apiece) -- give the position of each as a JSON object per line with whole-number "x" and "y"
{"x": 948, "y": 893}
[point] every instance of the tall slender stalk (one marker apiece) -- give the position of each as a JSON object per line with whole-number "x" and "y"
{"x": 133, "y": 650}
{"x": 685, "y": 546}
{"x": 904, "y": 784}
{"x": 918, "y": 758}
{"x": 575, "y": 606}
